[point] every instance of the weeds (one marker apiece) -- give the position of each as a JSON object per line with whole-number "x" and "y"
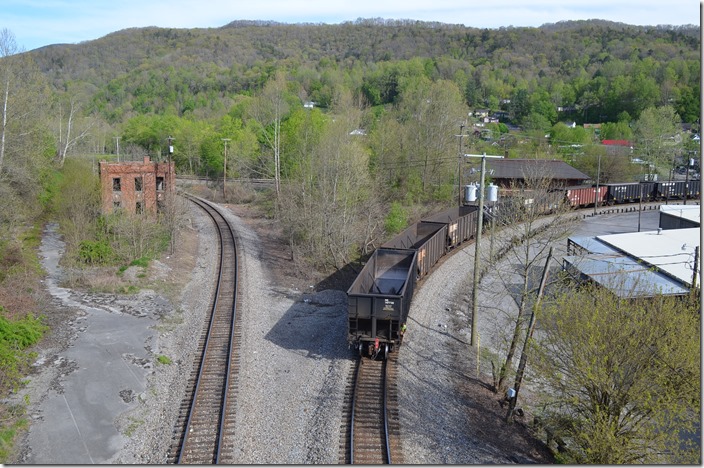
{"x": 165, "y": 360}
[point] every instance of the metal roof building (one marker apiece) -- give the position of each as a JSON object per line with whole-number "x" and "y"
{"x": 637, "y": 264}
{"x": 507, "y": 172}
{"x": 680, "y": 216}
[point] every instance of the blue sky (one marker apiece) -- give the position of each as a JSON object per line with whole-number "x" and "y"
{"x": 36, "y": 23}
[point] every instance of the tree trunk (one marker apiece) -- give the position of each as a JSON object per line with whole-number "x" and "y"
{"x": 4, "y": 121}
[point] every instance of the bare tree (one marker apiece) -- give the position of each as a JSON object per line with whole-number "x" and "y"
{"x": 70, "y": 137}
{"x": 329, "y": 205}
{"x": 526, "y": 236}
{"x": 8, "y": 50}
{"x": 269, "y": 110}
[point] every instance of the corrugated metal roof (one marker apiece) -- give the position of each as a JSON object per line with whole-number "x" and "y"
{"x": 533, "y": 168}
{"x": 637, "y": 264}
{"x": 624, "y": 276}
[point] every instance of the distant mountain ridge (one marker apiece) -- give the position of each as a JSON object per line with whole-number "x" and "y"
{"x": 239, "y": 56}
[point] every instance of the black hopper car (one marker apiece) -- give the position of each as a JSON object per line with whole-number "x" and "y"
{"x": 379, "y": 300}
{"x": 631, "y": 192}
{"x": 380, "y": 297}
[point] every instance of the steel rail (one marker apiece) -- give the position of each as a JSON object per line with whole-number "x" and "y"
{"x": 212, "y": 213}
{"x": 365, "y": 382}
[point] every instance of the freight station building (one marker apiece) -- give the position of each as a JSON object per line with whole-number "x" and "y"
{"x": 642, "y": 264}
{"x": 136, "y": 187}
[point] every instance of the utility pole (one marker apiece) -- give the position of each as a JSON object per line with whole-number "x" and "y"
{"x": 640, "y": 205}
{"x": 596, "y": 192}
{"x": 686, "y": 181}
{"x": 117, "y": 146}
{"x": 475, "y": 281}
{"x": 459, "y": 168}
{"x": 696, "y": 267}
{"x": 480, "y": 216}
{"x": 529, "y": 336}
{"x": 169, "y": 186}
{"x": 224, "y": 170}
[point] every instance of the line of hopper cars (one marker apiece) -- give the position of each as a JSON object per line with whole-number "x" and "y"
{"x": 380, "y": 297}
{"x": 632, "y": 192}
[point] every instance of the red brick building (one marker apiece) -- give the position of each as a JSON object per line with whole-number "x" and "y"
{"x": 136, "y": 187}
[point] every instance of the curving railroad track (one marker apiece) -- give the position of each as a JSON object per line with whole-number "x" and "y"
{"x": 205, "y": 425}
{"x": 371, "y": 431}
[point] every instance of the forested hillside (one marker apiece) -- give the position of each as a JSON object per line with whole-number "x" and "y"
{"x": 598, "y": 68}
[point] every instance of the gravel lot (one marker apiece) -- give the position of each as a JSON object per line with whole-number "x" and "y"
{"x": 296, "y": 362}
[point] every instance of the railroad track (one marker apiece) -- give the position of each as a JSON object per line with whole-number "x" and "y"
{"x": 204, "y": 430}
{"x": 371, "y": 431}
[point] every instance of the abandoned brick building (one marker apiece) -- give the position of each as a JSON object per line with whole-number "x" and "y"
{"x": 136, "y": 186}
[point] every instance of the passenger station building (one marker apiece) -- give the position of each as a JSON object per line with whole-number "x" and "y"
{"x": 136, "y": 186}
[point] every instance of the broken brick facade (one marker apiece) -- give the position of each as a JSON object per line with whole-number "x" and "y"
{"x": 136, "y": 187}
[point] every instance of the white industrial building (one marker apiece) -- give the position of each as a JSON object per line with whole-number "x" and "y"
{"x": 641, "y": 264}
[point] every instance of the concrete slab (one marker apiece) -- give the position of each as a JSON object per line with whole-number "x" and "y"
{"x": 105, "y": 372}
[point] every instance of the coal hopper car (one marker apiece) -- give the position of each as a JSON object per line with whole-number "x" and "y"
{"x": 461, "y": 224}
{"x": 379, "y": 301}
{"x": 428, "y": 239}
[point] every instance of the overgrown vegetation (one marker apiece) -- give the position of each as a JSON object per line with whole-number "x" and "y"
{"x": 16, "y": 335}
{"x": 621, "y": 377}
{"x": 13, "y": 421}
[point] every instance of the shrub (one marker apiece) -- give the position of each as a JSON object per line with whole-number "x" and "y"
{"x": 95, "y": 252}
{"x": 15, "y": 337}
{"x": 396, "y": 219}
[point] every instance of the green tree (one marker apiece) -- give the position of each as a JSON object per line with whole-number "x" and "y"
{"x": 429, "y": 112}
{"x": 621, "y": 377}
{"x": 329, "y": 209}
{"x": 189, "y": 137}
{"x": 150, "y": 131}
{"x": 243, "y": 148}
{"x": 301, "y": 134}
{"x": 76, "y": 203}
{"x": 689, "y": 104}
{"x": 570, "y": 141}
{"x": 616, "y": 131}
{"x": 658, "y": 136}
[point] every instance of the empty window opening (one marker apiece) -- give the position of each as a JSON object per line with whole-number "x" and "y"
{"x": 137, "y": 184}
{"x": 116, "y": 184}
{"x": 116, "y": 205}
{"x": 160, "y": 206}
{"x": 139, "y": 208}
{"x": 160, "y": 183}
